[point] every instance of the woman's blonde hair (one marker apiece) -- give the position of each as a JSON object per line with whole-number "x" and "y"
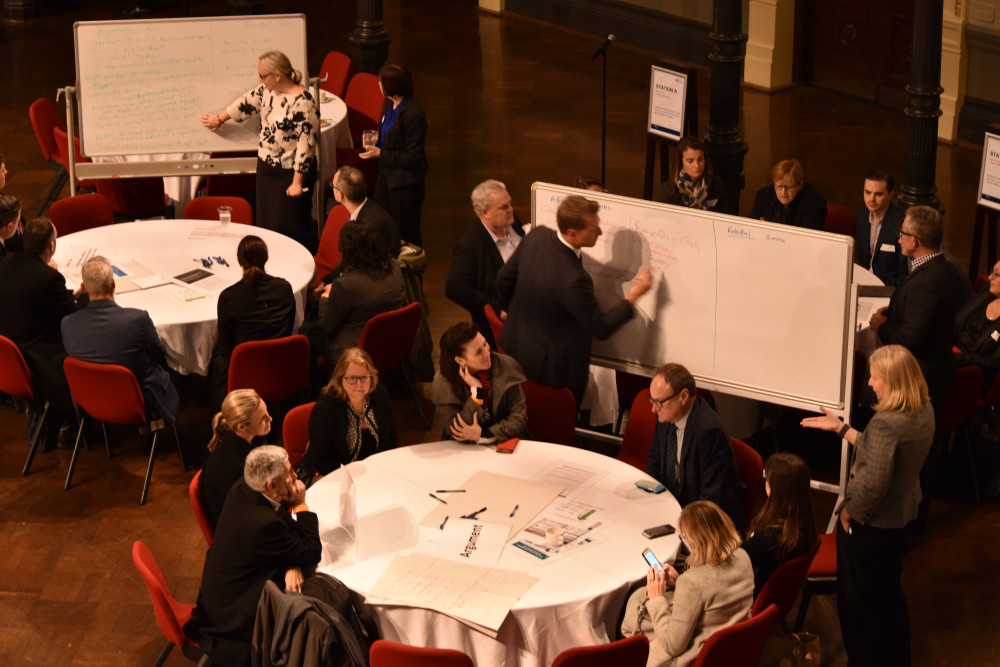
{"x": 906, "y": 389}
{"x": 708, "y": 532}
{"x": 237, "y": 408}
{"x": 278, "y": 62}
{"x": 351, "y": 355}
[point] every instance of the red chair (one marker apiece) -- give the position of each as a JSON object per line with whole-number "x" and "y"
{"x": 839, "y": 220}
{"x": 783, "y": 586}
{"x": 201, "y": 512}
{"x": 134, "y": 198}
{"x": 61, "y": 155}
{"x": 110, "y": 394}
{"x": 638, "y": 432}
{"x": 821, "y": 576}
{"x": 739, "y": 645}
{"x": 207, "y": 208}
{"x": 328, "y": 254}
{"x": 385, "y": 653}
{"x": 551, "y": 413}
{"x": 496, "y": 324}
{"x": 629, "y": 652}
{"x": 231, "y": 185}
{"x": 44, "y": 119}
{"x": 351, "y": 157}
{"x": 388, "y": 339}
{"x": 171, "y": 615}
{"x": 75, "y": 214}
{"x": 275, "y": 368}
{"x": 15, "y": 381}
{"x": 751, "y": 468}
{"x": 295, "y": 432}
{"x": 958, "y": 408}
{"x": 336, "y": 68}
{"x": 364, "y": 100}
{"x": 629, "y": 385}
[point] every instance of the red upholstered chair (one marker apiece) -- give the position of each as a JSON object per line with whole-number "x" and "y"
{"x": 384, "y": 653}
{"x": 75, "y": 214}
{"x": 336, "y": 68}
{"x": 201, "y": 512}
{"x": 62, "y": 154}
{"x": 783, "y": 586}
{"x": 629, "y": 652}
{"x": 821, "y": 577}
{"x": 328, "y": 254}
{"x": 551, "y": 412}
{"x": 638, "y": 432}
{"x": 110, "y": 394}
{"x": 751, "y": 468}
{"x": 364, "y": 100}
{"x": 496, "y": 324}
{"x": 958, "y": 408}
{"x": 388, "y": 339}
{"x": 15, "y": 381}
{"x": 275, "y": 368}
{"x": 134, "y": 198}
{"x": 629, "y": 385}
{"x": 739, "y": 645}
{"x": 231, "y": 185}
{"x": 44, "y": 119}
{"x": 207, "y": 208}
{"x": 839, "y": 220}
{"x": 295, "y": 432}
{"x": 171, "y": 615}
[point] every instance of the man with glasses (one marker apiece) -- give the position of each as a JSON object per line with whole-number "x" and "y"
{"x": 790, "y": 200}
{"x": 876, "y": 230}
{"x": 351, "y": 189}
{"x": 691, "y": 453}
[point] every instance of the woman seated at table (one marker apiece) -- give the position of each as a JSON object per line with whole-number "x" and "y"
{"x": 784, "y": 527}
{"x": 714, "y": 592}
{"x": 352, "y": 418}
{"x": 370, "y": 283}
{"x": 692, "y": 183}
{"x": 237, "y": 429}
{"x": 977, "y": 330}
{"x": 790, "y": 200}
{"x": 478, "y": 391}
{"x": 258, "y": 307}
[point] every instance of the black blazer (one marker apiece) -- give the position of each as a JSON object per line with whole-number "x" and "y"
{"x": 807, "y": 210}
{"x": 977, "y": 337}
{"x": 253, "y": 543}
{"x": 402, "y": 161}
{"x": 372, "y": 214}
{"x": 472, "y": 278}
{"x": 222, "y": 469}
{"x": 891, "y": 267}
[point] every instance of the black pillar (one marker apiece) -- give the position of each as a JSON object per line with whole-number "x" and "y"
{"x": 20, "y": 10}
{"x": 923, "y": 107}
{"x": 724, "y": 139}
{"x": 241, "y": 7}
{"x": 371, "y": 41}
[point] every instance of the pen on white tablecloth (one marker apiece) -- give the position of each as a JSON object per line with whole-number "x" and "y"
{"x": 450, "y": 491}
{"x": 440, "y": 500}
{"x": 472, "y": 515}
{"x": 514, "y": 511}
{"x": 444, "y": 522}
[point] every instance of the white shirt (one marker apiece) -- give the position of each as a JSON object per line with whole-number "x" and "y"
{"x": 576, "y": 251}
{"x": 506, "y": 245}
{"x": 681, "y": 424}
{"x": 354, "y": 214}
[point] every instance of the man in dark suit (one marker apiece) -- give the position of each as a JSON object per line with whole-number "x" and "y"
{"x": 106, "y": 333}
{"x": 552, "y": 310}
{"x": 10, "y": 216}
{"x": 351, "y": 190}
{"x": 256, "y": 540}
{"x": 876, "y": 230}
{"x": 481, "y": 253}
{"x": 691, "y": 453}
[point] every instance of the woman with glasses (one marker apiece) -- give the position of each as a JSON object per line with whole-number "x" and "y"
{"x": 679, "y": 611}
{"x": 286, "y": 152}
{"x": 691, "y": 181}
{"x": 790, "y": 200}
{"x": 977, "y": 330}
{"x": 352, "y": 418}
{"x": 478, "y": 391}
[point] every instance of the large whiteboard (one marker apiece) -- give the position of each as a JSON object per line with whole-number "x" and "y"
{"x": 758, "y": 309}
{"x": 143, "y": 85}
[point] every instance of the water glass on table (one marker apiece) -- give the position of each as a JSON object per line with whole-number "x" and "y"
{"x": 225, "y": 214}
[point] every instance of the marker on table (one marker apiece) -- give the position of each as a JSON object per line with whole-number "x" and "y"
{"x": 440, "y": 500}
{"x": 472, "y": 515}
{"x": 443, "y": 522}
{"x": 586, "y": 514}
{"x": 450, "y": 491}
{"x": 514, "y": 511}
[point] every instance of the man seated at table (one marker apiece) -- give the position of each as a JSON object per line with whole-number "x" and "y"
{"x": 691, "y": 453}
{"x": 10, "y": 215}
{"x": 351, "y": 190}
{"x": 106, "y": 333}
{"x": 256, "y": 540}
{"x": 876, "y": 230}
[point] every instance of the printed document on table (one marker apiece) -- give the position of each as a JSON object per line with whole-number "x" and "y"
{"x": 571, "y": 476}
{"x": 580, "y": 522}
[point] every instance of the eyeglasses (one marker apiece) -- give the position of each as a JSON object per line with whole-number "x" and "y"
{"x": 659, "y": 402}
{"x": 786, "y": 188}
{"x": 354, "y": 379}
{"x": 263, "y": 77}
{"x": 902, "y": 234}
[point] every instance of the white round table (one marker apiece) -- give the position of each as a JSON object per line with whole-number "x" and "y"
{"x": 577, "y": 600}
{"x": 185, "y": 318}
{"x": 334, "y": 132}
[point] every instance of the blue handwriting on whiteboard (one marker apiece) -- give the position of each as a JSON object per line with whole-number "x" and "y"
{"x": 738, "y": 232}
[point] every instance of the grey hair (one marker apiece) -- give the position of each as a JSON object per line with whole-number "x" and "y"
{"x": 98, "y": 277}
{"x": 927, "y": 224}
{"x": 264, "y": 464}
{"x": 482, "y": 194}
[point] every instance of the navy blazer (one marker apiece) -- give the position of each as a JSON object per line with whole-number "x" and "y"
{"x": 890, "y": 266}
{"x": 402, "y": 160}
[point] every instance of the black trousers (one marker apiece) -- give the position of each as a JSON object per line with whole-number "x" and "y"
{"x": 291, "y": 216}
{"x": 874, "y": 619}
{"x": 404, "y": 205}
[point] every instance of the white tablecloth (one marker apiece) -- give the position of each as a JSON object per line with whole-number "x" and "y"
{"x": 577, "y": 600}
{"x": 334, "y": 132}
{"x": 188, "y": 329}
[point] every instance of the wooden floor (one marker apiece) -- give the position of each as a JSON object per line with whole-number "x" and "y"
{"x": 505, "y": 98}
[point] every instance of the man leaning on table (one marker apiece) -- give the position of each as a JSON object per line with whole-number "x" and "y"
{"x": 691, "y": 453}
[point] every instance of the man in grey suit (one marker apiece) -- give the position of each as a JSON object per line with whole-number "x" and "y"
{"x": 106, "y": 333}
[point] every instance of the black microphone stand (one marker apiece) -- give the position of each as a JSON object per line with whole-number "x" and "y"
{"x": 603, "y": 52}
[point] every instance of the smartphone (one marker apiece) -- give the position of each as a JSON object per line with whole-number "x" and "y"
{"x": 658, "y": 531}
{"x": 652, "y": 559}
{"x": 651, "y": 486}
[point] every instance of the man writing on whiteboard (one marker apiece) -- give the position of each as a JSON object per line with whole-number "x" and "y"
{"x": 552, "y": 310}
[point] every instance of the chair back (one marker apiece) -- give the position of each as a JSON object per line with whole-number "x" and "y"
{"x": 44, "y": 119}
{"x": 783, "y": 585}
{"x": 839, "y": 220}
{"x": 739, "y": 645}
{"x": 295, "y": 432}
{"x": 61, "y": 155}
{"x": 75, "y": 214}
{"x": 15, "y": 377}
{"x": 629, "y": 652}
{"x": 351, "y": 157}
{"x": 134, "y": 198}
{"x": 107, "y": 392}
{"x": 388, "y": 337}
{"x": 639, "y": 431}
{"x": 201, "y": 512}
{"x": 496, "y": 324}
{"x": 275, "y": 368}
{"x": 824, "y": 563}
{"x": 960, "y": 405}
{"x": 385, "y": 653}
{"x": 171, "y": 615}
{"x": 328, "y": 254}
{"x": 551, "y": 412}
{"x": 231, "y": 185}
{"x": 364, "y": 101}
{"x": 337, "y": 68}
{"x": 751, "y": 468}
{"x": 207, "y": 208}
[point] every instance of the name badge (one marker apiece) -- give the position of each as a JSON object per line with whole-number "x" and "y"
{"x": 995, "y": 335}
{"x": 887, "y": 247}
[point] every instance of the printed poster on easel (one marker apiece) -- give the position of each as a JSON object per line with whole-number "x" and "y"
{"x": 989, "y": 176}
{"x": 667, "y": 102}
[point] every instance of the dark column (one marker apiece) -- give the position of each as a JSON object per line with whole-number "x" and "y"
{"x": 371, "y": 41}
{"x": 724, "y": 139}
{"x": 20, "y": 10}
{"x": 923, "y": 107}
{"x": 238, "y": 7}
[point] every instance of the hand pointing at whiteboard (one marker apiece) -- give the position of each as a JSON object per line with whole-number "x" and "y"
{"x": 643, "y": 280}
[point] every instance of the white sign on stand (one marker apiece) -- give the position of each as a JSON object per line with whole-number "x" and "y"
{"x": 667, "y": 95}
{"x": 989, "y": 175}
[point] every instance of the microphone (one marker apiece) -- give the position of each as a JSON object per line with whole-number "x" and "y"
{"x": 604, "y": 47}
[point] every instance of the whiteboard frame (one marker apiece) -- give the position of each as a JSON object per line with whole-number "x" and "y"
{"x": 990, "y": 142}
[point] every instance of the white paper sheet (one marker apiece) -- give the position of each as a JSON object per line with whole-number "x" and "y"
{"x": 476, "y": 542}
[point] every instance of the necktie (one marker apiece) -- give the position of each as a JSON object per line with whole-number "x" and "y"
{"x": 670, "y": 461}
